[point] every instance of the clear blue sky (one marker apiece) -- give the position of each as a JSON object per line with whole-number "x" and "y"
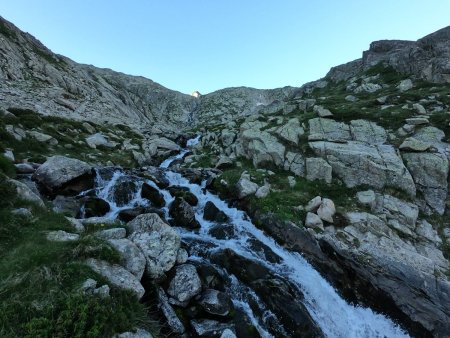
{"x": 206, "y": 45}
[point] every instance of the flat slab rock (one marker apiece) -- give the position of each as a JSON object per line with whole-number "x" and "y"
{"x": 117, "y": 276}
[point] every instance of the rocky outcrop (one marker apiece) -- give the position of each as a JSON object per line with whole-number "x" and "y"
{"x": 356, "y": 164}
{"x": 426, "y": 58}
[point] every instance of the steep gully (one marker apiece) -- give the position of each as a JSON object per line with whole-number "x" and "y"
{"x": 331, "y": 313}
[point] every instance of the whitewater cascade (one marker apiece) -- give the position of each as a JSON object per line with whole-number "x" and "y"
{"x": 334, "y": 316}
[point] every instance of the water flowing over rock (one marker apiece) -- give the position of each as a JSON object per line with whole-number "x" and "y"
{"x": 157, "y": 240}
{"x": 153, "y": 195}
{"x": 183, "y": 214}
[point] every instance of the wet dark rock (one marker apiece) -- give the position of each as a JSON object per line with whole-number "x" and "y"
{"x": 156, "y": 175}
{"x": 212, "y": 213}
{"x": 215, "y": 302}
{"x": 124, "y": 190}
{"x": 94, "y": 207}
{"x": 183, "y": 214}
{"x": 244, "y": 326}
{"x": 210, "y": 277}
{"x": 222, "y": 231}
{"x": 197, "y": 176}
{"x": 268, "y": 253}
{"x": 128, "y": 215}
{"x": 153, "y": 195}
{"x": 183, "y": 192}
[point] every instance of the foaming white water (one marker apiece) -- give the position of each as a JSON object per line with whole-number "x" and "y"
{"x": 334, "y": 315}
{"x": 190, "y": 143}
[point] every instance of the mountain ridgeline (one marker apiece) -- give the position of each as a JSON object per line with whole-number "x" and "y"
{"x": 315, "y": 211}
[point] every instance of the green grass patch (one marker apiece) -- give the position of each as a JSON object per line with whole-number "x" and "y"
{"x": 40, "y": 280}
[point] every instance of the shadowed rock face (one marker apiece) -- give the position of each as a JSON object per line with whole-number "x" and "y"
{"x": 426, "y": 58}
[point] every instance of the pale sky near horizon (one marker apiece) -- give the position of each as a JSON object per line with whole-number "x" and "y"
{"x": 208, "y": 45}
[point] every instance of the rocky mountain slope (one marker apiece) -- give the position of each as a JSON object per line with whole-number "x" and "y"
{"x": 351, "y": 170}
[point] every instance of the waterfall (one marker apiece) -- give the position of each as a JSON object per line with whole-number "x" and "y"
{"x": 334, "y": 316}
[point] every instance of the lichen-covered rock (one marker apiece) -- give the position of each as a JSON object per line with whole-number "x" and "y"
{"x": 62, "y": 236}
{"x": 245, "y": 187}
{"x": 367, "y": 132}
{"x": 185, "y": 284}
{"x": 158, "y": 242}
{"x": 215, "y": 302}
{"x": 262, "y": 147}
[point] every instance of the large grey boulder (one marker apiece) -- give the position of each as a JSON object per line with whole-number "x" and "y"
{"x": 430, "y": 172}
{"x": 356, "y": 164}
{"x": 158, "y": 242}
{"x": 64, "y": 176}
{"x": 321, "y": 129}
{"x": 117, "y": 276}
{"x": 25, "y": 193}
{"x": 132, "y": 257}
{"x": 185, "y": 284}
{"x": 245, "y": 187}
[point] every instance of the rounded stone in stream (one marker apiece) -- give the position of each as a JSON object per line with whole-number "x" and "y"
{"x": 153, "y": 195}
{"x": 185, "y": 284}
{"x": 210, "y": 276}
{"x": 212, "y": 213}
{"x": 183, "y": 214}
{"x": 95, "y": 207}
{"x": 215, "y": 302}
